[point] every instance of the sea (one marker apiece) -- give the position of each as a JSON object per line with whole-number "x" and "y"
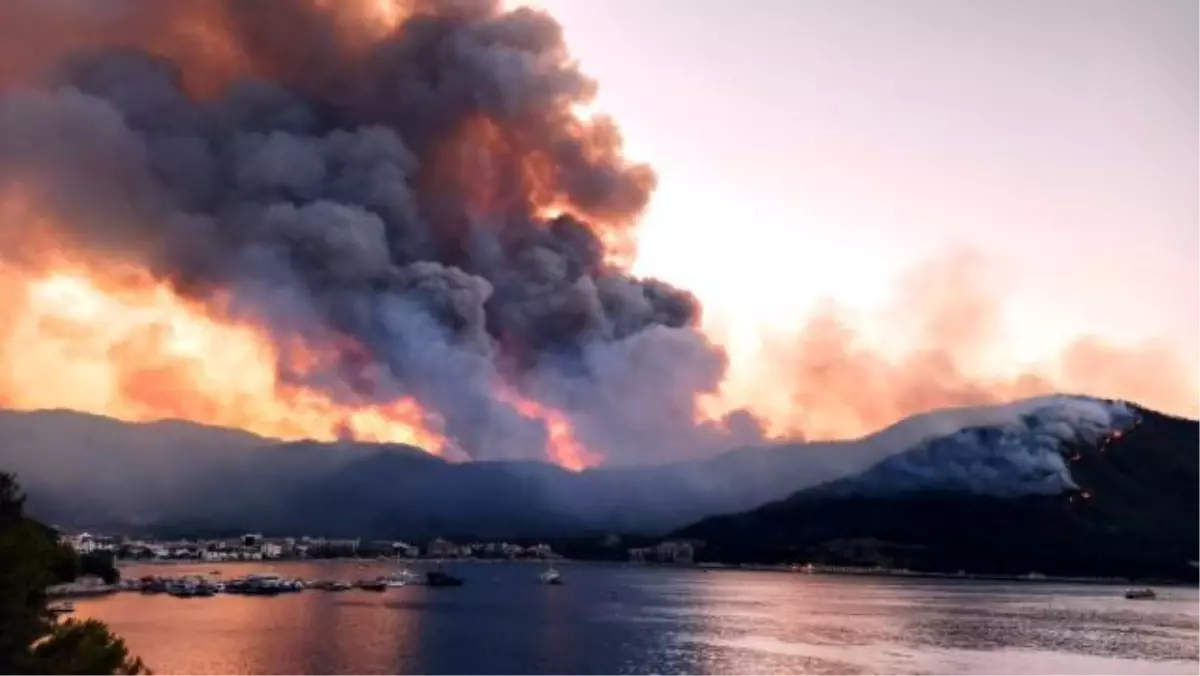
{"x": 615, "y": 619}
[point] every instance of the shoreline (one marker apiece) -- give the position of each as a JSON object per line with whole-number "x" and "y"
{"x": 976, "y": 577}
{"x": 701, "y": 566}
{"x": 126, "y": 563}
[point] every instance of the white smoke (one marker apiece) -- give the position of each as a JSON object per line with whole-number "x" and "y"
{"x": 1016, "y": 449}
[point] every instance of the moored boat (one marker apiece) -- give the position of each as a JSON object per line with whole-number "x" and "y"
{"x": 551, "y": 576}
{"x": 401, "y": 577}
{"x": 440, "y": 578}
{"x": 266, "y": 584}
{"x": 64, "y": 608}
{"x": 437, "y": 578}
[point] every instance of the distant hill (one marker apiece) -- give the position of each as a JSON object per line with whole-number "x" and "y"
{"x": 1126, "y": 505}
{"x": 88, "y": 471}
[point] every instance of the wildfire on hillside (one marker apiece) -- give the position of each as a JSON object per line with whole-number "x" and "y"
{"x": 397, "y": 220}
{"x": 123, "y": 344}
{"x": 564, "y": 449}
{"x": 395, "y": 237}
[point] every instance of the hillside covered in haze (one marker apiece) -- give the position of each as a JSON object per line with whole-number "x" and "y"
{"x": 1127, "y": 508}
{"x": 88, "y": 471}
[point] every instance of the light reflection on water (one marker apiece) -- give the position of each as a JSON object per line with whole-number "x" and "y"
{"x": 610, "y": 619}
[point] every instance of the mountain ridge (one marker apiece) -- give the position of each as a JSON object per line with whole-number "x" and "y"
{"x": 182, "y": 474}
{"x": 1131, "y": 513}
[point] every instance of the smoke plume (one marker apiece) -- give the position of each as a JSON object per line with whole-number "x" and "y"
{"x": 404, "y": 189}
{"x": 406, "y": 181}
{"x": 1017, "y": 450}
{"x": 941, "y": 325}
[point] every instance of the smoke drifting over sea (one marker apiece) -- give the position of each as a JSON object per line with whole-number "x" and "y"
{"x": 407, "y": 186}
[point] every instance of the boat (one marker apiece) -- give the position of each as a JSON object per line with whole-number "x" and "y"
{"x": 372, "y": 585}
{"x": 394, "y": 580}
{"x": 401, "y": 577}
{"x": 152, "y": 585}
{"x": 437, "y": 578}
{"x": 1140, "y": 594}
{"x": 267, "y": 584}
{"x": 440, "y": 578}
{"x": 182, "y": 589}
{"x": 340, "y": 586}
{"x": 64, "y": 608}
{"x": 551, "y": 576}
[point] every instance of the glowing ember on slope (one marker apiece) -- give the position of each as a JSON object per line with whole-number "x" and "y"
{"x": 128, "y": 347}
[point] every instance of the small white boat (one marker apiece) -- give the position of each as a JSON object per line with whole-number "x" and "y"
{"x": 402, "y": 577}
{"x": 551, "y": 576}
{"x": 1140, "y": 594}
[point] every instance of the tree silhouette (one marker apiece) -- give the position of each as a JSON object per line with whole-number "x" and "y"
{"x": 31, "y": 640}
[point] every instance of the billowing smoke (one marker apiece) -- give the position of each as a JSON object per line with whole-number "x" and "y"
{"x": 408, "y": 180}
{"x": 943, "y": 323}
{"x": 1017, "y": 449}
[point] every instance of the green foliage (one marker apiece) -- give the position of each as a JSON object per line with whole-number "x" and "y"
{"x": 85, "y": 647}
{"x": 65, "y": 565}
{"x": 24, "y": 574}
{"x": 31, "y": 641}
{"x": 100, "y": 564}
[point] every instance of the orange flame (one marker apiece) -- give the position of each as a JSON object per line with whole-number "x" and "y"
{"x": 563, "y": 448}
{"x": 131, "y": 348}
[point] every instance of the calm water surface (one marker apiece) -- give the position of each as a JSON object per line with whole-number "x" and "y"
{"x": 610, "y": 619}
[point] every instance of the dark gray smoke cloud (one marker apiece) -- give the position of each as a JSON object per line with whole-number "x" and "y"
{"x": 344, "y": 178}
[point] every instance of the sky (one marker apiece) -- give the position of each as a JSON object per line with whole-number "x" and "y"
{"x": 817, "y": 149}
{"x": 808, "y": 153}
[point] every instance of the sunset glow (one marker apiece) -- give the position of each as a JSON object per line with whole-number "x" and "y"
{"x": 131, "y": 349}
{"x": 771, "y": 238}
{"x": 503, "y": 231}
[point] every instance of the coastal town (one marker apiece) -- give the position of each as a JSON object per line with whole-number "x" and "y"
{"x": 256, "y": 547}
{"x": 101, "y": 554}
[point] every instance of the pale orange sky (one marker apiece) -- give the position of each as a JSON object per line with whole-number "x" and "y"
{"x": 812, "y": 149}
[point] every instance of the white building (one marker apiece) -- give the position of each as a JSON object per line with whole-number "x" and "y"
{"x": 86, "y": 543}
{"x": 406, "y": 550}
